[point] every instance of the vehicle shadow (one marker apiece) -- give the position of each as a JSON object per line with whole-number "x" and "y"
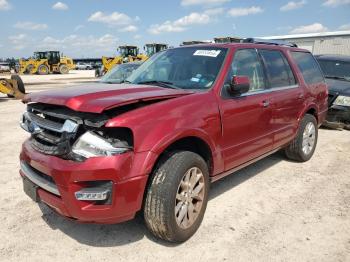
{"x": 229, "y": 182}
{"x": 132, "y": 231}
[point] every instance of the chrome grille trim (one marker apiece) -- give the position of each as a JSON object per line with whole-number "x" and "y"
{"x": 28, "y": 118}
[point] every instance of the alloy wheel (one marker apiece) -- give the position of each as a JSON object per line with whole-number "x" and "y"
{"x": 189, "y": 198}
{"x": 309, "y": 136}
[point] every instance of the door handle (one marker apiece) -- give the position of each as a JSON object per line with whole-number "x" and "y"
{"x": 301, "y": 96}
{"x": 266, "y": 103}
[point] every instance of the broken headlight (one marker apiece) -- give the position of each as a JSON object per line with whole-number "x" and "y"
{"x": 92, "y": 145}
{"x": 342, "y": 101}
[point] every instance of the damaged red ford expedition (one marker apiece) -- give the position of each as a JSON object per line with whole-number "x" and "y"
{"x": 186, "y": 117}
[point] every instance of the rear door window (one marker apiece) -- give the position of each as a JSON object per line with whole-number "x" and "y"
{"x": 277, "y": 68}
{"x": 309, "y": 67}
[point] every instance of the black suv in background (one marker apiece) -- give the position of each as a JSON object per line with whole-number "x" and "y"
{"x": 337, "y": 72}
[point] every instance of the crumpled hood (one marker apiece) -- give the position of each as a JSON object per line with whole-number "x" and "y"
{"x": 97, "y": 97}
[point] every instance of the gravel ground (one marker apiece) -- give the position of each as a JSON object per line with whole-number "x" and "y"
{"x": 273, "y": 210}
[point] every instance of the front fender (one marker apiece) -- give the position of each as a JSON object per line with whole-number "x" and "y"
{"x": 157, "y": 126}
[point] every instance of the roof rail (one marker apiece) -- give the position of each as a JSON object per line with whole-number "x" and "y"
{"x": 268, "y": 42}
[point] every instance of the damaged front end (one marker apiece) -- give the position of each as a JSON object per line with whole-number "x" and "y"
{"x": 338, "y": 116}
{"x": 68, "y": 134}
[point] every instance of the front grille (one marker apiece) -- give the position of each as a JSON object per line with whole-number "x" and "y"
{"x": 54, "y": 129}
{"x": 51, "y": 133}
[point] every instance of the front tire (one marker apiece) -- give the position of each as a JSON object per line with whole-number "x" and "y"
{"x": 64, "y": 69}
{"x": 304, "y": 144}
{"x": 29, "y": 69}
{"x": 177, "y": 196}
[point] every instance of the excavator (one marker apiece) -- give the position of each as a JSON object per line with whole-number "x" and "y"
{"x": 47, "y": 62}
{"x": 13, "y": 87}
{"x": 153, "y": 48}
{"x": 227, "y": 39}
{"x": 128, "y": 53}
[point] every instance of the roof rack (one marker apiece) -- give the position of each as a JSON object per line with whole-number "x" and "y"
{"x": 268, "y": 42}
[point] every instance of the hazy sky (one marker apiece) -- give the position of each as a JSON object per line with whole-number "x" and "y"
{"x": 96, "y": 27}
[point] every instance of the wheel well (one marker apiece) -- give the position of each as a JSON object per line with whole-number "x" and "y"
{"x": 312, "y": 111}
{"x": 193, "y": 144}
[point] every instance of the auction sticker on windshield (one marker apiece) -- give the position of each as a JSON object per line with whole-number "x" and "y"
{"x": 211, "y": 53}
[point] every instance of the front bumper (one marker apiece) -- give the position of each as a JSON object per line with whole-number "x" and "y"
{"x": 338, "y": 117}
{"x": 127, "y": 172}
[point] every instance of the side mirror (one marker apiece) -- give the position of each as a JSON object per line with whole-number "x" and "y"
{"x": 239, "y": 85}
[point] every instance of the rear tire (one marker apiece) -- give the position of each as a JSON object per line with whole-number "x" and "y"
{"x": 20, "y": 84}
{"x": 177, "y": 196}
{"x": 64, "y": 69}
{"x": 304, "y": 144}
{"x": 43, "y": 70}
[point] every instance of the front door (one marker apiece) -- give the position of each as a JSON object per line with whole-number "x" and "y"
{"x": 246, "y": 119}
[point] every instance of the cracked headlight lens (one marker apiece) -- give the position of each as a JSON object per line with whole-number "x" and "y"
{"x": 92, "y": 145}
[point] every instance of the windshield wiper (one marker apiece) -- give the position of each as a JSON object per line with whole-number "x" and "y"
{"x": 125, "y": 82}
{"x": 338, "y": 77}
{"x": 158, "y": 83}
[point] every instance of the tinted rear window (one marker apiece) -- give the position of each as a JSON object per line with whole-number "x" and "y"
{"x": 278, "y": 69}
{"x": 308, "y": 67}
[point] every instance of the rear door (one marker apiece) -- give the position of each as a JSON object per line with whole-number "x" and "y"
{"x": 287, "y": 96}
{"x": 246, "y": 119}
{"x": 317, "y": 91}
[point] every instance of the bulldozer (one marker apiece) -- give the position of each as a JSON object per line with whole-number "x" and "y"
{"x": 227, "y": 39}
{"x": 47, "y": 62}
{"x": 128, "y": 53}
{"x": 13, "y": 87}
{"x": 153, "y": 48}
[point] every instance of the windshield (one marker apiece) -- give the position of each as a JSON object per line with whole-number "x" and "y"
{"x": 119, "y": 73}
{"x": 186, "y": 68}
{"x": 337, "y": 69}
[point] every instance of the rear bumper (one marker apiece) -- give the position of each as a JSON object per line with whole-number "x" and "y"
{"x": 127, "y": 173}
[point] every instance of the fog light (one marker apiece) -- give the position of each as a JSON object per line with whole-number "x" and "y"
{"x": 92, "y": 194}
{"x": 98, "y": 191}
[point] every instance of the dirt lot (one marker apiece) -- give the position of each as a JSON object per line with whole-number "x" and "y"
{"x": 274, "y": 210}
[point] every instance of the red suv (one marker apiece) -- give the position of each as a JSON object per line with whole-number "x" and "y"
{"x": 186, "y": 117}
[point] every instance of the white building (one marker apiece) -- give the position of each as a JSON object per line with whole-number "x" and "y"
{"x": 334, "y": 43}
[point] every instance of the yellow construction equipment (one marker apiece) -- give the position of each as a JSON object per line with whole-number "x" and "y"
{"x": 153, "y": 48}
{"x": 227, "y": 39}
{"x": 128, "y": 53}
{"x": 194, "y": 42}
{"x": 47, "y": 62}
{"x": 13, "y": 87}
